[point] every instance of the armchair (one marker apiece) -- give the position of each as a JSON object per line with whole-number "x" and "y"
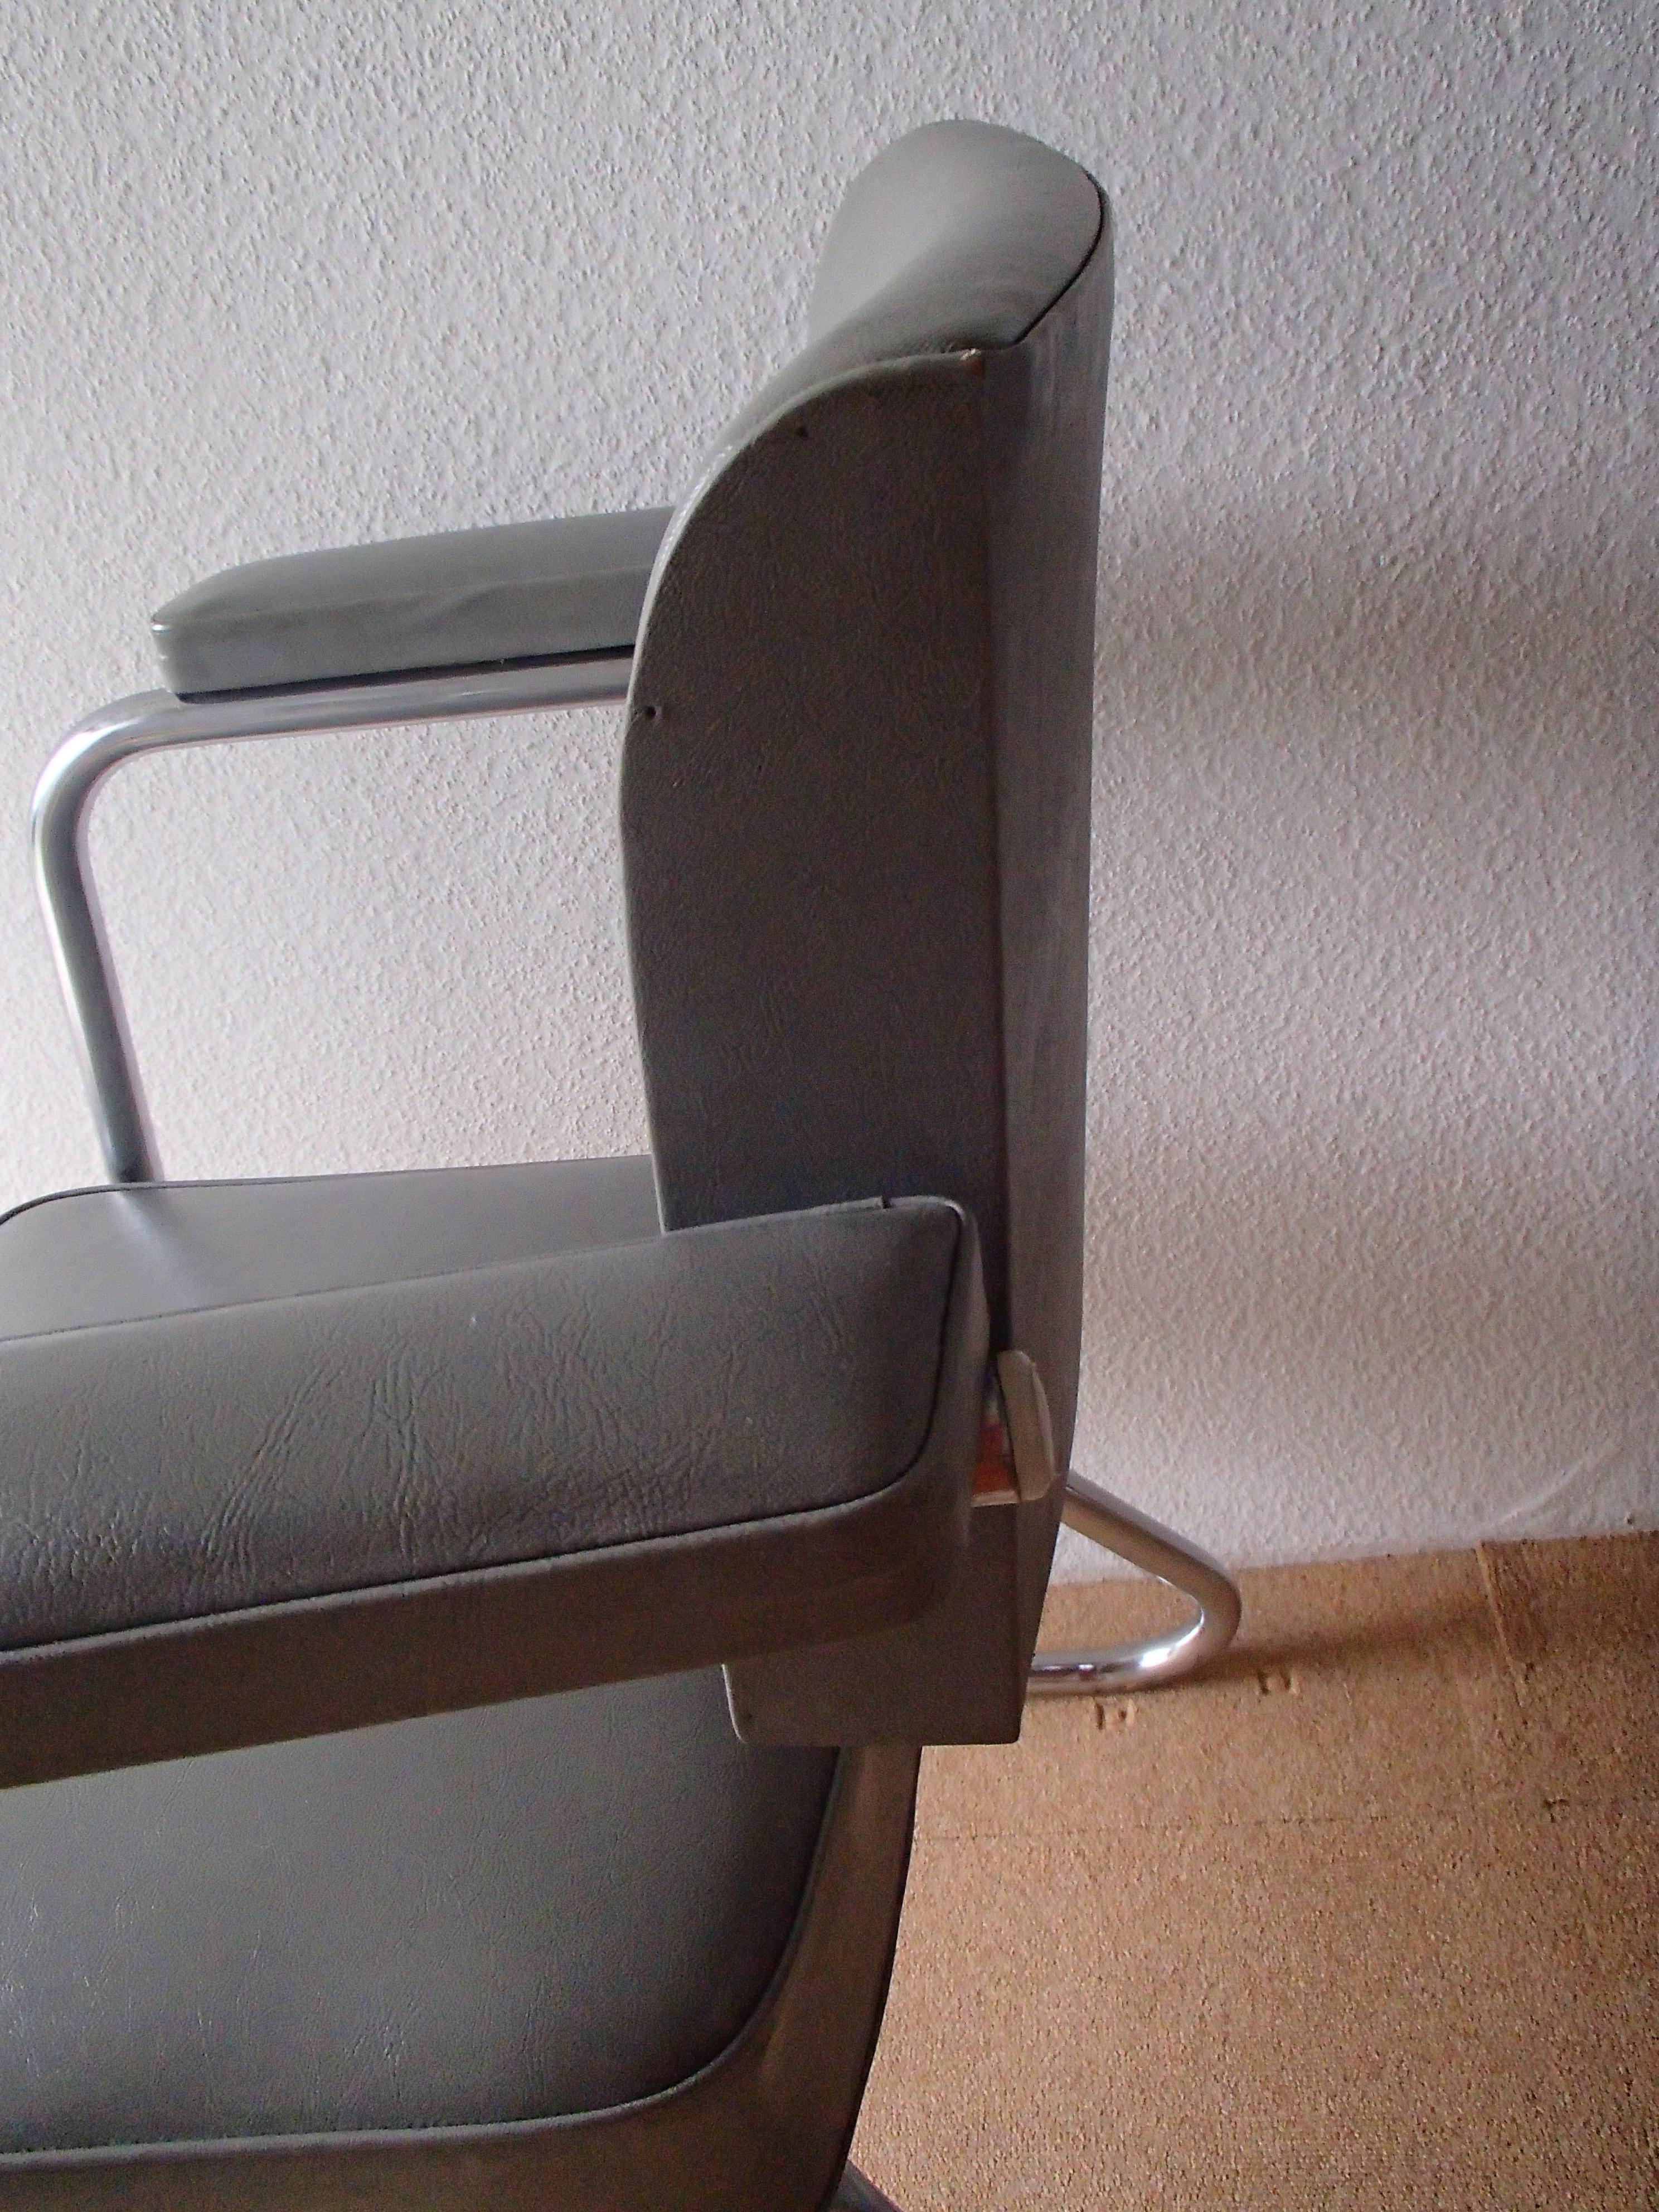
{"x": 466, "y": 1635}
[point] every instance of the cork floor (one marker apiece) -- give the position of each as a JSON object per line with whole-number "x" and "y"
{"x": 1369, "y": 1917}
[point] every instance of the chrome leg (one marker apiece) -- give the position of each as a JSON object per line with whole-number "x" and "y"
{"x": 858, "y": 2195}
{"x": 1145, "y": 1543}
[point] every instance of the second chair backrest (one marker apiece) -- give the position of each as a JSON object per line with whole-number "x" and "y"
{"x": 856, "y": 775}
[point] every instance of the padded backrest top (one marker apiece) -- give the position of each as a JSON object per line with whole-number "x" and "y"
{"x": 968, "y": 231}
{"x": 959, "y": 236}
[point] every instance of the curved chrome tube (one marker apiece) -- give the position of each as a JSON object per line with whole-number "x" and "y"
{"x": 1147, "y": 1544}
{"x": 156, "y": 721}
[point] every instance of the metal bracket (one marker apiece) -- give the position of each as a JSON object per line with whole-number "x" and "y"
{"x": 1016, "y": 1463}
{"x": 1147, "y": 1544}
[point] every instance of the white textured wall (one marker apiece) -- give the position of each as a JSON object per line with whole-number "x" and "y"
{"x": 1374, "y": 1231}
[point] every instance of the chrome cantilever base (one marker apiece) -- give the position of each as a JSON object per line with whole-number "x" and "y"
{"x": 856, "y": 2194}
{"x": 1147, "y": 1544}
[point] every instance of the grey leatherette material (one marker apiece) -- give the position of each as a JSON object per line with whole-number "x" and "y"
{"x": 554, "y": 1906}
{"x": 856, "y": 795}
{"x": 959, "y": 236}
{"x": 764, "y": 2128}
{"x": 129, "y": 1252}
{"x": 957, "y": 1674}
{"x": 159, "y": 1470}
{"x": 523, "y": 591}
{"x": 304, "y": 1514}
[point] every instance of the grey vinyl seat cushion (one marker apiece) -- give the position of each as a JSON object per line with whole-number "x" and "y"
{"x": 463, "y": 598}
{"x": 195, "y": 1464}
{"x": 84, "y": 1259}
{"x": 552, "y": 1907}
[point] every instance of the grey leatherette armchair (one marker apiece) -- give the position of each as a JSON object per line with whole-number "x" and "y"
{"x": 379, "y": 1828}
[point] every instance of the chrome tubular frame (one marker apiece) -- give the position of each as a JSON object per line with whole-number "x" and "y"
{"x": 156, "y": 721}
{"x": 1147, "y": 1544}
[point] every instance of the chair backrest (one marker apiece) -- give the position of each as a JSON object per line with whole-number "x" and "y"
{"x": 856, "y": 777}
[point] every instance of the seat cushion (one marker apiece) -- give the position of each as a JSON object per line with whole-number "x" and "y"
{"x": 709, "y": 1386}
{"x": 86, "y": 1258}
{"x": 462, "y": 598}
{"x": 547, "y": 1907}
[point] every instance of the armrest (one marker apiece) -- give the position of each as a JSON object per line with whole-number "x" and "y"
{"x": 314, "y": 1513}
{"x": 466, "y": 598}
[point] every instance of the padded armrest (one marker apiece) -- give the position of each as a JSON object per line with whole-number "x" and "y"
{"x": 525, "y": 591}
{"x": 312, "y": 1513}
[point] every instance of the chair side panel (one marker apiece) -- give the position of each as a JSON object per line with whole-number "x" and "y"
{"x": 1045, "y": 401}
{"x": 808, "y": 819}
{"x": 1045, "y": 414}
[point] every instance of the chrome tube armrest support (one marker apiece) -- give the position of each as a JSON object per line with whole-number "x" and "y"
{"x": 156, "y": 721}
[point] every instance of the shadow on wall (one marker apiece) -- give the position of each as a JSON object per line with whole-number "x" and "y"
{"x": 1373, "y": 1209}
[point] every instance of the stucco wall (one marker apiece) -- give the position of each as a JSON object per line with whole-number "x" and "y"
{"x": 1374, "y": 1223}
